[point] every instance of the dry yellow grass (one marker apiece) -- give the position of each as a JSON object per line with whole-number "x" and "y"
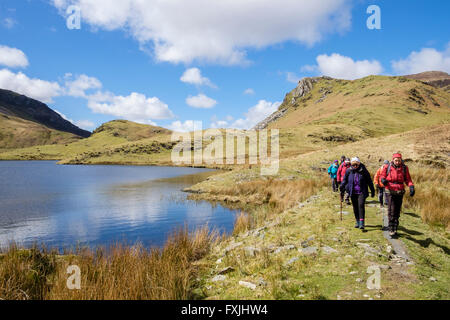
{"x": 432, "y": 195}
{"x": 279, "y": 194}
{"x": 119, "y": 272}
{"x": 242, "y": 223}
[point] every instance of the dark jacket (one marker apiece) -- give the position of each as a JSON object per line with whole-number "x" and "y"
{"x": 365, "y": 180}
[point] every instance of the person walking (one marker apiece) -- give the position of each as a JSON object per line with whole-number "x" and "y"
{"x": 332, "y": 172}
{"x": 379, "y": 186}
{"x": 356, "y": 182}
{"x": 394, "y": 176}
{"x": 340, "y": 176}
{"x": 342, "y": 160}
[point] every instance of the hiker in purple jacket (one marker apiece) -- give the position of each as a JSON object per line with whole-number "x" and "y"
{"x": 356, "y": 182}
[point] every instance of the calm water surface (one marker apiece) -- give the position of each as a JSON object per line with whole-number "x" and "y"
{"x": 61, "y": 206}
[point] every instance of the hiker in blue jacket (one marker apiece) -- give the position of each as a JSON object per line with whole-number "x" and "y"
{"x": 332, "y": 172}
{"x": 356, "y": 182}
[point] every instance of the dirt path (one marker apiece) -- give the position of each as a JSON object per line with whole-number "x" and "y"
{"x": 397, "y": 245}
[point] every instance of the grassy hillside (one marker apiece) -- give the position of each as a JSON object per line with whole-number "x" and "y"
{"x": 322, "y": 113}
{"x": 291, "y": 244}
{"x": 117, "y": 141}
{"x": 19, "y": 133}
{"x": 437, "y": 79}
{"x": 339, "y": 111}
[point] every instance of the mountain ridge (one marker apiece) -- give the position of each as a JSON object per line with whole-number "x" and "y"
{"x": 21, "y": 106}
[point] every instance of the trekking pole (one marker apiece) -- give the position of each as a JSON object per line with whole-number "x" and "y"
{"x": 341, "y": 206}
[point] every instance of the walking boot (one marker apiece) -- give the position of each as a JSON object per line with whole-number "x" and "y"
{"x": 392, "y": 232}
{"x": 357, "y": 224}
{"x": 361, "y": 224}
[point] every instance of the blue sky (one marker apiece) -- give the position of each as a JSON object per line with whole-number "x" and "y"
{"x": 226, "y": 63}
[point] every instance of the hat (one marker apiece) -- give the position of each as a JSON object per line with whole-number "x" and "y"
{"x": 356, "y": 160}
{"x": 347, "y": 159}
{"x": 396, "y": 155}
{"x": 386, "y": 161}
{"x": 336, "y": 161}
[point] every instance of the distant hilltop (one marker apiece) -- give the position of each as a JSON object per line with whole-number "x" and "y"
{"x": 324, "y": 101}
{"x": 25, "y": 122}
{"x": 437, "y": 79}
{"x": 17, "y": 105}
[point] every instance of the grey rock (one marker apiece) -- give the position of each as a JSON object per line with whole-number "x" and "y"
{"x": 233, "y": 246}
{"x": 328, "y": 250}
{"x": 219, "y": 278}
{"x": 308, "y": 251}
{"x": 291, "y": 261}
{"x": 249, "y": 285}
{"x": 284, "y": 248}
{"x": 251, "y": 251}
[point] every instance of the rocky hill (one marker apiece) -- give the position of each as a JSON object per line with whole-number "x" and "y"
{"x": 437, "y": 79}
{"x": 324, "y": 101}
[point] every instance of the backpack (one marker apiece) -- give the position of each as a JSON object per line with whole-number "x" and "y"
{"x": 403, "y": 166}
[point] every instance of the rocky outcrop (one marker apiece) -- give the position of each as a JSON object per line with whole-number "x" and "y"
{"x": 304, "y": 86}
{"x": 273, "y": 117}
{"x": 14, "y": 104}
{"x": 437, "y": 79}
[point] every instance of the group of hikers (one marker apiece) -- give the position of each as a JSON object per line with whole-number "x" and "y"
{"x": 353, "y": 180}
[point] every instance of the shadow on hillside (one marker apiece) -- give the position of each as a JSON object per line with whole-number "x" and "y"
{"x": 427, "y": 242}
{"x": 412, "y": 214}
{"x": 369, "y": 227}
{"x": 410, "y": 232}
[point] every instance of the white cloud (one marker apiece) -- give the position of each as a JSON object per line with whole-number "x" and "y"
{"x": 9, "y": 23}
{"x": 194, "y": 76}
{"x": 220, "y": 124}
{"x": 37, "y": 89}
{"x": 308, "y": 68}
{"x": 181, "y": 31}
{"x": 201, "y": 101}
{"x": 12, "y": 57}
{"x": 77, "y": 87}
{"x": 85, "y": 124}
{"x": 292, "y": 77}
{"x": 179, "y": 126}
{"x": 135, "y": 107}
{"x": 341, "y": 67}
{"x": 427, "y": 59}
{"x": 253, "y": 116}
{"x": 249, "y": 91}
{"x": 63, "y": 115}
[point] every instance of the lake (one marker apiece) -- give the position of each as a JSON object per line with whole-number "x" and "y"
{"x": 62, "y": 206}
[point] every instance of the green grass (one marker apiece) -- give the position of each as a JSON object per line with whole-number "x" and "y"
{"x": 327, "y": 276}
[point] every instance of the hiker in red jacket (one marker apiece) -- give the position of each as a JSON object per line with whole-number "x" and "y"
{"x": 394, "y": 176}
{"x": 340, "y": 176}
